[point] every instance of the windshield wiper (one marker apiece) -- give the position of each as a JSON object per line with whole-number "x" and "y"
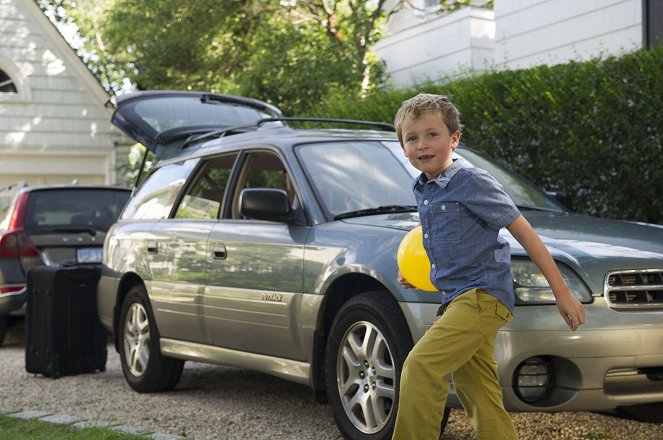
{"x": 387, "y": 209}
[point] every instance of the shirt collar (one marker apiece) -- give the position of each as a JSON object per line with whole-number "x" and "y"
{"x": 445, "y": 176}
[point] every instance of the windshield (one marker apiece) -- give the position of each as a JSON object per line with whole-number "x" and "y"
{"x": 166, "y": 113}
{"x": 356, "y": 175}
{"x": 522, "y": 192}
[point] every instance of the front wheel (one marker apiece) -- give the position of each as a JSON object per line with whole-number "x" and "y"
{"x": 368, "y": 343}
{"x": 145, "y": 368}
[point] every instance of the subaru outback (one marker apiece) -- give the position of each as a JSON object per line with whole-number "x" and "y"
{"x": 273, "y": 248}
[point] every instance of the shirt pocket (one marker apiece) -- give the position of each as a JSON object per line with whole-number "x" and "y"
{"x": 445, "y": 218}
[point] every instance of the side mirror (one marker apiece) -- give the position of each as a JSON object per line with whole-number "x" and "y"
{"x": 563, "y": 198}
{"x": 265, "y": 204}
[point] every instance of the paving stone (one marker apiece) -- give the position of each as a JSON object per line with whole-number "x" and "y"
{"x": 30, "y": 414}
{"x": 162, "y": 436}
{"x": 61, "y": 419}
{"x": 94, "y": 424}
{"x": 127, "y": 429}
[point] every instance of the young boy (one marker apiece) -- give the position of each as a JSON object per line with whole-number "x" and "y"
{"x": 462, "y": 209}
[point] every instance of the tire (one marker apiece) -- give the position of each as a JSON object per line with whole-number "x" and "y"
{"x": 368, "y": 343}
{"x": 3, "y": 328}
{"x": 647, "y": 412}
{"x": 145, "y": 369}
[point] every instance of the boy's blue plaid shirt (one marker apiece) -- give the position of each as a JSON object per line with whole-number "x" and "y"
{"x": 461, "y": 212}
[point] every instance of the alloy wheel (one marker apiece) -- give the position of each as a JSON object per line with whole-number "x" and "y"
{"x": 366, "y": 377}
{"x": 137, "y": 339}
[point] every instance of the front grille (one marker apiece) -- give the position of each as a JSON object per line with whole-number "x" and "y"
{"x": 634, "y": 289}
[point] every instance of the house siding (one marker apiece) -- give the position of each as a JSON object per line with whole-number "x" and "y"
{"x": 435, "y": 46}
{"x": 57, "y": 128}
{"x": 515, "y": 34}
{"x": 530, "y": 33}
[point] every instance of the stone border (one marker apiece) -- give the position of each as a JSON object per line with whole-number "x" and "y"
{"x": 77, "y": 422}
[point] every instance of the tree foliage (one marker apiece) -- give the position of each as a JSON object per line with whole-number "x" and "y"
{"x": 291, "y": 53}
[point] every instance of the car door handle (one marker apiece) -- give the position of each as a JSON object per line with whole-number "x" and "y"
{"x": 152, "y": 247}
{"x": 220, "y": 252}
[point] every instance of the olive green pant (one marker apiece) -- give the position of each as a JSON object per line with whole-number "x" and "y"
{"x": 461, "y": 343}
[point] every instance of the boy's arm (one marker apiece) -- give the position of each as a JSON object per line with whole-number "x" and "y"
{"x": 569, "y": 307}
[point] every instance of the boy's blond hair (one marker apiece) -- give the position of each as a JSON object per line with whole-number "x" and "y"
{"x": 425, "y": 103}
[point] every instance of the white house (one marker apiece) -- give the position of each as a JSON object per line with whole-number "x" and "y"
{"x": 54, "y": 126}
{"x": 421, "y": 43}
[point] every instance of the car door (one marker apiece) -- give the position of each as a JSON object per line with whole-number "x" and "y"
{"x": 255, "y": 270}
{"x": 180, "y": 252}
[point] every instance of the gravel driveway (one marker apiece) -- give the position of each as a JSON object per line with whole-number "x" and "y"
{"x": 213, "y": 402}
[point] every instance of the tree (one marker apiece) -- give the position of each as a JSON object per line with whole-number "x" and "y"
{"x": 291, "y": 53}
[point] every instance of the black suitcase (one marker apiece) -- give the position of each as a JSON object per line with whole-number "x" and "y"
{"x": 63, "y": 333}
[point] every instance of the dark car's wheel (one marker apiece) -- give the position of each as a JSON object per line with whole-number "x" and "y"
{"x": 368, "y": 343}
{"x": 3, "y": 328}
{"x": 145, "y": 368}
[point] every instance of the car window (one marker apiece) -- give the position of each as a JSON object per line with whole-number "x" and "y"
{"x": 155, "y": 197}
{"x": 262, "y": 170}
{"x": 204, "y": 197}
{"x": 522, "y": 192}
{"x": 350, "y": 176}
{"x": 166, "y": 113}
{"x": 53, "y": 210}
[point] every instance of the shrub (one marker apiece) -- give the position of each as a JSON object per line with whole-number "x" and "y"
{"x": 590, "y": 129}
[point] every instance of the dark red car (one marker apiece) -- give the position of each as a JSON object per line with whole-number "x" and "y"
{"x": 50, "y": 225}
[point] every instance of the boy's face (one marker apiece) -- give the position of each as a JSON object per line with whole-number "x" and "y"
{"x": 428, "y": 144}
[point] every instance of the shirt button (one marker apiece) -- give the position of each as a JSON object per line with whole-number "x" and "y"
{"x": 444, "y": 207}
{"x": 433, "y": 266}
{"x": 425, "y": 202}
{"x": 425, "y": 235}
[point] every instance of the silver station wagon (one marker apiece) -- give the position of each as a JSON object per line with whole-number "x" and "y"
{"x": 260, "y": 245}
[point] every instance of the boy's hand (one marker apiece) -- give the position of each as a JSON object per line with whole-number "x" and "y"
{"x": 571, "y": 310}
{"x": 403, "y": 282}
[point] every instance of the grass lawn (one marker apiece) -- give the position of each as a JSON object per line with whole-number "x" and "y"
{"x": 12, "y": 428}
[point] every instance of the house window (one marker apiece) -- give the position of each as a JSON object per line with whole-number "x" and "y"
{"x": 6, "y": 83}
{"x": 652, "y": 11}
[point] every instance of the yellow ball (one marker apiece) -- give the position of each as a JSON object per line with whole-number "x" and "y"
{"x": 413, "y": 261}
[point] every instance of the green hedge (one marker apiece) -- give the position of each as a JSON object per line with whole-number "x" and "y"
{"x": 590, "y": 129}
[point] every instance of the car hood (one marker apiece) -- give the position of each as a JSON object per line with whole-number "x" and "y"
{"x": 592, "y": 246}
{"x": 594, "y": 238}
{"x": 163, "y": 120}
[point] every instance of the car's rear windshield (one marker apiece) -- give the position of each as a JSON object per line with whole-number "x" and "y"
{"x": 182, "y": 111}
{"x": 61, "y": 210}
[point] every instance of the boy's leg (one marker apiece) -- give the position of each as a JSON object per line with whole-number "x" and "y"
{"x": 448, "y": 344}
{"x": 476, "y": 383}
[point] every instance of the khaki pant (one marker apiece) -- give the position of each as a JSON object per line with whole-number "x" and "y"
{"x": 461, "y": 343}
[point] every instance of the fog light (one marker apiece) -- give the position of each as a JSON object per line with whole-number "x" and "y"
{"x": 533, "y": 379}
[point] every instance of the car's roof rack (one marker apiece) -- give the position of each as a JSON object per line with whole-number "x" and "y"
{"x": 378, "y": 125}
{"x": 246, "y": 127}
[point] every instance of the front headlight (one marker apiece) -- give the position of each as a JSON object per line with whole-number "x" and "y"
{"x": 531, "y": 286}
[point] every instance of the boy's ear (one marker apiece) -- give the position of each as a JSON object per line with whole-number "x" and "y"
{"x": 455, "y": 138}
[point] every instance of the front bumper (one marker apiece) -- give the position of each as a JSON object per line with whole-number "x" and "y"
{"x": 615, "y": 359}
{"x": 12, "y": 301}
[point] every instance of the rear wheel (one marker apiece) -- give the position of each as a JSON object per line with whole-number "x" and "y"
{"x": 368, "y": 343}
{"x": 145, "y": 368}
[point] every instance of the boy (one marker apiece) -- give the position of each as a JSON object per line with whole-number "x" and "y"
{"x": 461, "y": 210}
